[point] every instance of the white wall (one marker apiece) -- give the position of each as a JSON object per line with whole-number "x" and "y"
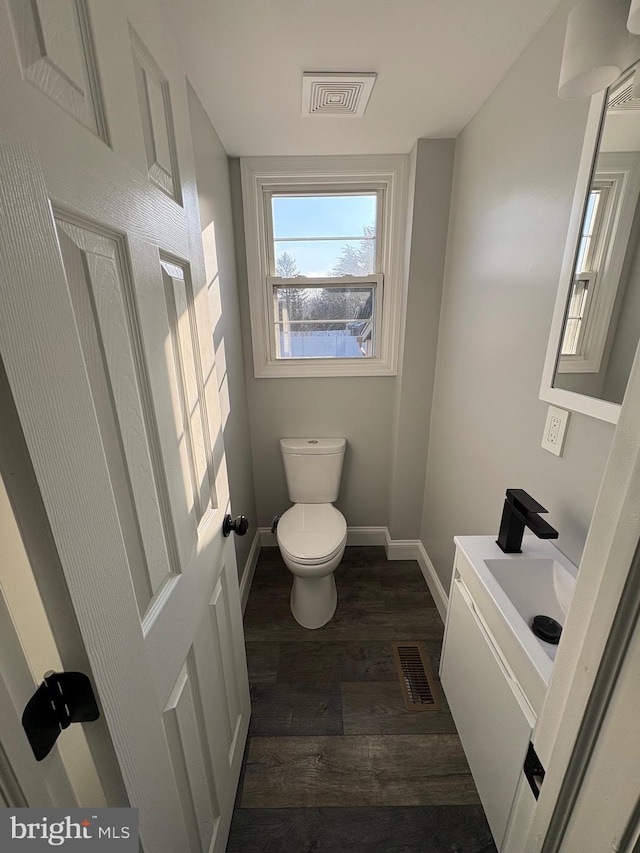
{"x": 625, "y": 341}
{"x": 515, "y": 171}
{"x": 214, "y": 196}
{"x": 358, "y": 409}
{"x": 384, "y": 419}
{"x": 431, "y": 175}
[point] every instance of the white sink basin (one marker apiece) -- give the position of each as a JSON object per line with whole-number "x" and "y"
{"x": 541, "y": 586}
{"x": 508, "y": 591}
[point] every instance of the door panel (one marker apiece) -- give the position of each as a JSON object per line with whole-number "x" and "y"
{"x": 105, "y": 316}
{"x": 190, "y": 761}
{"x": 219, "y": 610}
{"x": 154, "y": 101}
{"x": 107, "y": 339}
{"x": 56, "y": 55}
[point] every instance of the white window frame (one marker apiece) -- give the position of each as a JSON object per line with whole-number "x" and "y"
{"x": 384, "y": 174}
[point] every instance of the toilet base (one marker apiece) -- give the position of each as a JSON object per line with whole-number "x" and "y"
{"x": 313, "y": 600}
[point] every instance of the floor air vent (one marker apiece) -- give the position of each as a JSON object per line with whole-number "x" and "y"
{"x": 416, "y": 678}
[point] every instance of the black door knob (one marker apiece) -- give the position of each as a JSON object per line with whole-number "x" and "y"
{"x": 240, "y": 525}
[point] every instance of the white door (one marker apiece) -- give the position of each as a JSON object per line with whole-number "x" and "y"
{"x": 106, "y": 342}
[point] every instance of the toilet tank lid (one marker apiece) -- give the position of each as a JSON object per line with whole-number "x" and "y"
{"x": 312, "y": 446}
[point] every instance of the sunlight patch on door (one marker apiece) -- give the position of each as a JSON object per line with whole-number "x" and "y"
{"x": 186, "y": 370}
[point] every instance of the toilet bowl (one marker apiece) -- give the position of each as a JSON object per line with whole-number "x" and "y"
{"x": 312, "y": 534}
{"x": 312, "y": 539}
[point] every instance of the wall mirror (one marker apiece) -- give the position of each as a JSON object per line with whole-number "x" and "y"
{"x": 596, "y": 324}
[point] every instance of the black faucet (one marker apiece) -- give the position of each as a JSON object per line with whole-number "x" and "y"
{"x": 520, "y": 511}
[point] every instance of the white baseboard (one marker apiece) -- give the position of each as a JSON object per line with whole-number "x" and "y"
{"x": 396, "y": 549}
{"x": 367, "y": 536}
{"x": 249, "y": 570}
{"x": 401, "y": 549}
{"x": 267, "y": 538}
{"x": 413, "y": 549}
{"x": 355, "y": 536}
{"x": 433, "y": 581}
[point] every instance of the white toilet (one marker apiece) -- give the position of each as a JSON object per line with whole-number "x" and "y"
{"x": 312, "y": 534}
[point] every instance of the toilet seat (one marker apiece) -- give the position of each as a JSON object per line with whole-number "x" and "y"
{"x": 312, "y": 534}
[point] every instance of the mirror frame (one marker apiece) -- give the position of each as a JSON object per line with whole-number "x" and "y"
{"x": 593, "y": 406}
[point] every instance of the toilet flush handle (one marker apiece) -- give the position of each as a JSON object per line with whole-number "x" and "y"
{"x": 239, "y": 525}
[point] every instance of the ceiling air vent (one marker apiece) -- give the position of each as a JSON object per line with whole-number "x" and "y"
{"x": 336, "y": 94}
{"x": 624, "y": 96}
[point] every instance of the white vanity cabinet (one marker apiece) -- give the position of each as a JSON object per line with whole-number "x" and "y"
{"x": 491, "y": 712}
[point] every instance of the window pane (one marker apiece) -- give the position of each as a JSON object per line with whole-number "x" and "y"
{"x": 324, "y": 235}
{"x": 323, "y": 215}
{"x": 324, "y": 322}
{"x": 325, "y": 258}
{"x": 588, "y": 225}
{"x": 324, "y": 303}
{"x": 571, "y": 335}
{"x": 575, "y": 316}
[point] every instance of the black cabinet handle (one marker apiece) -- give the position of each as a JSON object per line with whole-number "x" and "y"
{"x": 240, "y": 525}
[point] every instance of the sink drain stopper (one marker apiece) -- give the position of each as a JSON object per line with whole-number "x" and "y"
{"x": 547, "y": 629}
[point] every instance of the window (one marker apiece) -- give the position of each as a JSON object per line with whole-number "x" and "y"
{"x": 317, "y": 314}
{"x": 598, "y": 270}
{"x": 589, "y": 259}
{"x": 324, "y": 253}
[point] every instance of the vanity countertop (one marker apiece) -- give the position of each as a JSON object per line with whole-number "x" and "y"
{"x": 508, "y": 590}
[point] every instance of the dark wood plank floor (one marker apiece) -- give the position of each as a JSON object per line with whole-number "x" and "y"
{"x": 334, "y": 761}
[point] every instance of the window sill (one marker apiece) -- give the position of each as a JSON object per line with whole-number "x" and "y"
{"x": 330, "y": 367}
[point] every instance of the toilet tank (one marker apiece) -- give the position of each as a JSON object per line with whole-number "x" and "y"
{"x": 312, "y": 468}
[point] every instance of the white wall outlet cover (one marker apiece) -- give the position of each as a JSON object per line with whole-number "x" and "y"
{"x": 555, "y": 430}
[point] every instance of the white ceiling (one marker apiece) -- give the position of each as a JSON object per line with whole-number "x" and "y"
{"x": 436, "y": 60}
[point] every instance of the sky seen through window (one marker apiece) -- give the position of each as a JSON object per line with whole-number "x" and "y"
{"x": 322, "y": 216}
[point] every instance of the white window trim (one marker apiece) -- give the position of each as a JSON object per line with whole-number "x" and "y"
{"x": 262, "y": 175}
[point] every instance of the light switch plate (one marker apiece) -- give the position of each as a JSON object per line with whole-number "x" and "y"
{"x": 555, "y": 429}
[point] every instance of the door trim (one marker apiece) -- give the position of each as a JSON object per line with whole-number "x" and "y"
{"x": 620, "y": 637}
